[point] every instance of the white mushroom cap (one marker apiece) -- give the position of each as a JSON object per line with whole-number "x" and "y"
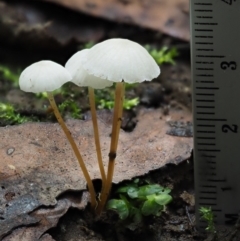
{"x": 121, "y": 59}
{"x": 43, "y": 76}
{"x": 80, "y": 76}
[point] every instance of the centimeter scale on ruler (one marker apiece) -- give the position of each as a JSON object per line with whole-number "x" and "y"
{"x": 215, "y": 55}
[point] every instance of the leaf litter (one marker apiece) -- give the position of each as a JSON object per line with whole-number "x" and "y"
{"x": 37, "y": 164}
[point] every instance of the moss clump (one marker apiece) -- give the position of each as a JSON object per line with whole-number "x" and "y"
{"x": 9, "y": 116}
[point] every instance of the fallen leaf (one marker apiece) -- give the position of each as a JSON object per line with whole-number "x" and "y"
{"x": 45, "y": 166}
{"x": 43, "y": 219}
{"x": 22, "y": 23}
{"x": 169, "y": 17}
{"x": 188, "y": 198}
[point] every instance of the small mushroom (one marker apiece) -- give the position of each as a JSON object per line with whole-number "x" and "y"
{"x": 48, "y": 76}
{"x": 81, "y": 78}
{"x": 118, "y": 60}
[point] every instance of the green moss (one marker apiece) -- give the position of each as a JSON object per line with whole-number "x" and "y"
{"x": 71, "y": 107}
{"x": 207, "y": 215}
{"x": 10, "y": 75}
{"x": 105, "y": 98}
{"x": 163, "y": 55}
{"x": 9, "y": 116}
{"x": 127, "y": 103}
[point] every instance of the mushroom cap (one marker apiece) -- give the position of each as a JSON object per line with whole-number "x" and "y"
{"x": 121, "y": 60}
{"x": 80, "y": 76}
{"x": 43, "y": 76}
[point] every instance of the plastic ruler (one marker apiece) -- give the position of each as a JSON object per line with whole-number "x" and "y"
{"x": 215, "y": 56}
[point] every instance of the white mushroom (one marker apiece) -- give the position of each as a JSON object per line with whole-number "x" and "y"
{"x": 43, "y": 76}
{"x": 48, "y": 76}
{"x": 118, "y": 60}
{"x": 80, "y": 76}
{"x": 121, "y": 60}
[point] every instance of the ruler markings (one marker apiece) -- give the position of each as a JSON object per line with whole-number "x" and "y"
{"x": 203, "y": 94}
{"x": 206, "y": 144}
{"x": 216, "y": 180}
{"x": 204, "y": 4}
{"x": 206, "y": 132}
{"x": 207, "y": 155}
{"x": 201, "y": 23}
{"x": 210, "y": 101}
{"x": 203, "y": 36}
{"x": 204, "y": 43}
{"x": 210, "y": 192}
{"x": 207, "y": 88}
{"x": 206, "y": 138}
{"x": 205, "y": 75}
{"x": 208, "y": 50}
{"x": 213, "y": 150}
{"x": 209, "y": 119}
{"x": 213, "y": 56}
{"x": 204, "y": 30}
{"x": 204, "y": 17}
{"x": 208, "y": 126}
{"x": 210, "y": 56}
{"x": 203, "y": 10}
{"x": 203, "y": 62}
{"x": 205, "y": 107}
{"x": 207, "y": 198}
{"x": 212, "y": 162}
{"x": 205, "y": 81}
{"x": 208, "y": 186}
{"x": 207, "y": 204}
{"x": 205, "y": 113}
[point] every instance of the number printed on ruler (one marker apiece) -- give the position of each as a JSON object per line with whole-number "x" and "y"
{"x": 215, "y": 54}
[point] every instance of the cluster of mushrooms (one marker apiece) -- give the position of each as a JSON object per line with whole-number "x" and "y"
{"x": 113, "y": 60}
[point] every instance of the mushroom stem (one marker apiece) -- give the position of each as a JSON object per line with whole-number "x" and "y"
{"x": 74, "y": 147}
{"x": 117, "y": 120}
{"x": 96, "y": 134}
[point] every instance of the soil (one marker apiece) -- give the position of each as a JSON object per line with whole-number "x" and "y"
{"x": 177, "y": 223}
{"x": 171, "y": 90}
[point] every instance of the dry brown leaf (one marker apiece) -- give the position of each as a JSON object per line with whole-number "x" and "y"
{"x": 44, "y": 217}
{"x": 23, "y": 23}
{"x": 168, "y": 16}
{"x": 188, "y": 198}
{"x": 37, "y": 163}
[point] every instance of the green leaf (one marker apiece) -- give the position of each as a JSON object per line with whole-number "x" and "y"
{"x": 136, "y": 181}
{"x": 166, "y": 190}
{"x": 119, "y": 206}
{"x": 122, "y": 189}
{"x": 146, "y": 190}
{"x": 126, "y": 188}
{"x": 136, "y": 215}
{"x": 122, "y": 197}
{"x": 162, "y": 199}
{"x": 150, "y": 207}
{"x": 132, "y": 192}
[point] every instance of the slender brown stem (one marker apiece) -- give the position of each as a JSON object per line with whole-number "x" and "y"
{"x": 96, "y": 134}
{"x": 75, "y": 149}
{"x": 117, "y": 120}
